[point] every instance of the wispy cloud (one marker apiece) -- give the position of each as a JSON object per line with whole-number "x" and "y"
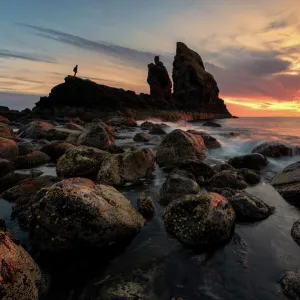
{"x": 135, "y": 56}
{"x": 7, "y": 54}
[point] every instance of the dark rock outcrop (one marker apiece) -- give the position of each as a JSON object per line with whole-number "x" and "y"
{"x": 196, "y": 95}
{"x": 194, "y": 87}
{"x": 200, "y": 220}
{"x": 77, "y": 215}
{"x": 159, "y": 81}
{"x": 211, "y": 124}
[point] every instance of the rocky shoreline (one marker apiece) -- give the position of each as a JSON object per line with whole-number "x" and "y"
{"x": 83, "y": 211}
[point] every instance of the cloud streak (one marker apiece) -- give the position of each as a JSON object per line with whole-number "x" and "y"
{"x": 7, "y": 54}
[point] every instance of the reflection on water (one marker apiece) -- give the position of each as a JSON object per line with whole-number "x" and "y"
{"x": 248, "y": 268}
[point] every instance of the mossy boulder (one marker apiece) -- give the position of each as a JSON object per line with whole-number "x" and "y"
{"x": 31, "y": 160}
{"x": 179, "y": 146}
{"x": 204, "y": 220}
{"x": 129, "y": 167}
{"x": 81, "y": 161}
{"x": 77, "y": 215}
{"x": 8, "y": 149}
{"x": 56, "y": 149}
{"x": 35, "y": 130}
{"x": 6, "y": 131}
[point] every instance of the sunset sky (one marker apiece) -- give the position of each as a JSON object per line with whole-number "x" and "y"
{"x": 252, "y": 48}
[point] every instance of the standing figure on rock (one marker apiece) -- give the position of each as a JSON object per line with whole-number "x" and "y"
{"x": 75, "y": 70}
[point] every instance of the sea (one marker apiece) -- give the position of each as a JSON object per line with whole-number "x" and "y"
{"x": 247, "y": 268}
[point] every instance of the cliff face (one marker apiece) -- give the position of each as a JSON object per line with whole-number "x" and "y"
{"x": 196, "y": 94}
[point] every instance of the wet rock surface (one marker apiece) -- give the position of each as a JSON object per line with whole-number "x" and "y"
{"x": 273, "y": 149}
{"x": 200, "y": 220}
{"x": 142, "y": 137}
{"x": 76, "y": 215}
{"x": 253, "y": 161}
{"x": 179, "y": 146}
{"x": 227, "y": 179}
{"x": 210, "y": 142}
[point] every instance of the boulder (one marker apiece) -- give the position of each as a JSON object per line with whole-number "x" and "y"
{"x": 96, "y": 136}
{"x": 6, "y": 131}
{"x": 59, "y": 134}
{"x": 122, "y": 121}
{"x": 288, "y": 183}
{"x": 2, "y": 224}
{"x": 179, "y": 146}
{"x": 295, "y": 232}
{"x": 21, "y": 277}
{"x": 11, "y": 179}
{"x": 31, "y": 160}
{"x": 56, "y": 149}
{"x": 147, "y": 125}
{"x": 27, "y": 147}
{"x": 5, "y": 167}
{"x": 250, "y": 176}
{"x": 227, "y": 179}
{"x": 8, "y": 149}
{"x": 223, "y": 167}
{"x": 225, "y": 192}
{"x": 156, "y": 129}
{"x": 200, "y": 220}
{"x": 290, "y": 284}
{"x": 142, "y": 137}
{"x": 253, "y": 161}
{"x": 178, "y": 184}
{"x": 209, "y": 141}
{"x": 81, "y": 161}
{"x": 159, "y": 80}
{"x": 35, "y": 130}
{"x": 74, "y": 126}
{"x": 249, "y": 208}
{"x": 4, "y": 120}
{"x": 129, "y": 167}
{"x": 197, "y": 168}
{"x": 77, "y": 215}
{"x": 146, "y": 206}
{"x": 273, "y": 149}
{"x": 211, "y": 124}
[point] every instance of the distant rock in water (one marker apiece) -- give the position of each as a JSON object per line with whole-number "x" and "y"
{"x": 195, "y": 95}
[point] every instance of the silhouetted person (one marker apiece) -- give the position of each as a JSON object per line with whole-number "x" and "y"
{"x": 75, "y": 70}
{"x": 156, "y": 59}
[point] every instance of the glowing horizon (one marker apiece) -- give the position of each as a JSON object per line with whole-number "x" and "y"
{"x": 252, "y": 49}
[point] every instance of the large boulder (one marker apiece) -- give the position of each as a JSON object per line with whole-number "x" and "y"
{"x": 159, "y": 80}
{"x": 31, "y": 160}
{"x": 288, "y": 183}
{"x": 56, "y": 149}
{"x": 21, "y": 277}
{"x": 253, "y": 161}
{"x": 178, "y": 184}
{"x": 77, "y": 215}
{"x": 250, "y": 176}
{"x": 290, "y": 284}
{"x": 121, "y": 121}
{"x": 249, "y": 208}
{"x": 5, "y": 167}
{"x": 142, "y": 137}
{"x": 6, "y": 131}
{"x": 179, "y": 146}
{"x": 157, "y": 129}
{"x": 129, "y": 167}
{"x": 295, "y": 232}
{"x": 210, "y": 141}
{"x": 35, "y": 130}
{"x": 147, "y": 125}
{"x": 194, "y": 88}
{"x": 197, "y": 167}
{"x": 81, "y": 162}
{"x": 227, "y": 179}
{"x": 273, "y": 149}
{"x": 200, "y": 220}
{"x": 96, "y": 136}
{"x": 59, "y": 134}
{"x": 8, "y": 149}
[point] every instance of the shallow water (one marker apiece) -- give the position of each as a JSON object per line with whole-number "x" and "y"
{"x": 248, "y": 267}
